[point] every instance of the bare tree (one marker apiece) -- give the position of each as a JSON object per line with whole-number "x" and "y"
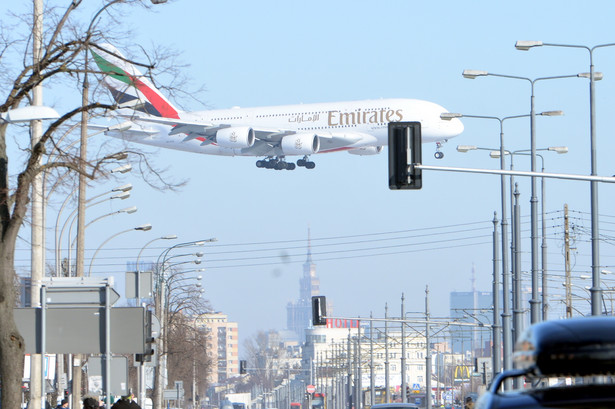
{"x": 186, "y": 341}
{"x": 264, "y": 356}
{"x": 61, "y": 62}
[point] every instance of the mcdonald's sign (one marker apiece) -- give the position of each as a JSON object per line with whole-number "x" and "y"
{"x": 463, "y": 372}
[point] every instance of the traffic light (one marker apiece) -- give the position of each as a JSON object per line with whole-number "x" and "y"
{"x": 407, "y": 394}
{"x": 242, "y": 367}
{"x": 148, "y": 348}
{"x": 319, "y": 310}
{"x": 404, "y": 153}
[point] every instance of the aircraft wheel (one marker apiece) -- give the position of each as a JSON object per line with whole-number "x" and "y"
{"x": 290, "y": 166}
{"x": 260, "y": 164}
{"x": 438, "y": 155}
{"x": 280, "y": 165}
{"x": 310, "y": 165}
{"x": 301, "y": 162}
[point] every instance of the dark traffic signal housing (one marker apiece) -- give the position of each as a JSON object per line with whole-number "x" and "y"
{"x": 319, "y": 310}
{"x": 149, "y": 349}
{"x": 404, "y": 153}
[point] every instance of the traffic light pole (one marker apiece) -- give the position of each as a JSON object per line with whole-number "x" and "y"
{"x": 605, "y": 179}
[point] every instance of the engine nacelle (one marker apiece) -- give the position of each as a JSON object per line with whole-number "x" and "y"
{"x": 300, "y": 144}
{"x": 367, "y": 150}
{"x": 235, "y": 137}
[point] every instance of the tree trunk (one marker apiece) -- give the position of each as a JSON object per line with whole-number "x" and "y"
{"x": 12, "y": 346}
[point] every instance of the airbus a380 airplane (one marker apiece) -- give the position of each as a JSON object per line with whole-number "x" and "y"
{"x": 272, "y": 133}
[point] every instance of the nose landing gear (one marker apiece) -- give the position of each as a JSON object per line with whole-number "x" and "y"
{"x": 438, "y": 154}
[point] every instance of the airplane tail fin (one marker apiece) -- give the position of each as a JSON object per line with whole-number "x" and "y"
{"x": 128, "y": 86}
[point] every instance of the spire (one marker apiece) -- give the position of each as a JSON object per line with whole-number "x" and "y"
{"x": 309, "y": 249}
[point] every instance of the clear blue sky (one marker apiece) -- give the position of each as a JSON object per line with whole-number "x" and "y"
{"x": 279, "y": 52}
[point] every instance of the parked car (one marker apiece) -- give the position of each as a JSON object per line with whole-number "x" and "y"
{"x": 560, "y": 364}
{"x": 394, "y": 406}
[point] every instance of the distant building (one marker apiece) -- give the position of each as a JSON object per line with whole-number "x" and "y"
{"x": 326, "y": 350}
{"x": 299, "y": 313}
{"x": 222, "y": 344}
{"x": 471, "y": 307}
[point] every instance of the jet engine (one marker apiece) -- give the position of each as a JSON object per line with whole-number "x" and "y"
{"x": 367, "y": 150}
{"x": 300, "y": 144}
{"x": 235, "y": 137}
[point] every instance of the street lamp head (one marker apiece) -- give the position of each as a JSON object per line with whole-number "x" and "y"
{"x": 472, "y": 74}
{"x": 597, "y": 75}
{"x": 129, "y": 210}
{"x": 123, "y": 188}
{"x": 197, "y": 261}
{"x": 558, "y": 149}
{"x": 199, "y": 254}
{"x": 552, "y": 113}
{"x": 144, "y": 227}
{"x": 199, "y": 277}
{"x": 606, "y": 272}
{"x": 526, "y": 45}
{"x": 122, "y": 195}
{"x": 124, "y": 126}
{"x": 466, "y": 148}
{"x": 119, "y": 155}
{"x": 447, "y": 116}
{"x": 169, "y": 237}
{"x": 122, "y": 169}
{"x": 202, "y": 242}
{"x": 28, "y": 113}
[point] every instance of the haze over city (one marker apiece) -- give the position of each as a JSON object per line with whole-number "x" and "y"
{"x": 369, "y": 244}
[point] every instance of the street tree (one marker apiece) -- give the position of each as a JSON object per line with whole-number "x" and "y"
{"x": 266, "y": 359}
{"x": 62, "y": 63}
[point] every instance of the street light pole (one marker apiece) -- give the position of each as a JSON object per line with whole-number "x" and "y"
{"x": 159, "y": 384}
{"x": 145, "y": 227}
{"x": 535, "y": 301}
{"x": 596, "y": 291}
{"x": 142, "y": 386}
{"x": 506, "y": 314}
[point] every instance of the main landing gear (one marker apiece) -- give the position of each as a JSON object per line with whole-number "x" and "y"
{"x": 278, "y": 163}
{"x": 306, "y": 163}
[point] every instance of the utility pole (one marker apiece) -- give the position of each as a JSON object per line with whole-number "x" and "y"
{"x": 386, "y": 354}
{"x": 404, "y": 398}
{"x": 37, "y": 379}
{"x": 428, "y": 354}
{"x": 567, "y": 263}
{"x": 349, "y": 382}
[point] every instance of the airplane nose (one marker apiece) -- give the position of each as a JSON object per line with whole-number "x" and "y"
{"x": 454, "y": 127}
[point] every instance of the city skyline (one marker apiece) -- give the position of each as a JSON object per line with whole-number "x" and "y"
{"x": 370, "y": 244}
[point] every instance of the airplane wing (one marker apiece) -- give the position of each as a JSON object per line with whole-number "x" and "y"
{"x": 266, "y": 139}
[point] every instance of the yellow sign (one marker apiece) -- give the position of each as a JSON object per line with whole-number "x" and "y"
{"x": 463, "y": 371}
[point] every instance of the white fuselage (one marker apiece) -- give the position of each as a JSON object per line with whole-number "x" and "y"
{"x": 364, "y": 122}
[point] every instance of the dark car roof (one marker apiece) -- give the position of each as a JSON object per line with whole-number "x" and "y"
{"x": 573, "y": 396}
{"x": 570, "y": 347}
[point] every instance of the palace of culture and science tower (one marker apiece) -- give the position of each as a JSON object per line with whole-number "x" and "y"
{"x": 299, "y": 313}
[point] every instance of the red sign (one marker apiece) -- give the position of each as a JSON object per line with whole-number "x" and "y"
{"x": 342, "y": 323}
{"x": 310, "y": 389}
